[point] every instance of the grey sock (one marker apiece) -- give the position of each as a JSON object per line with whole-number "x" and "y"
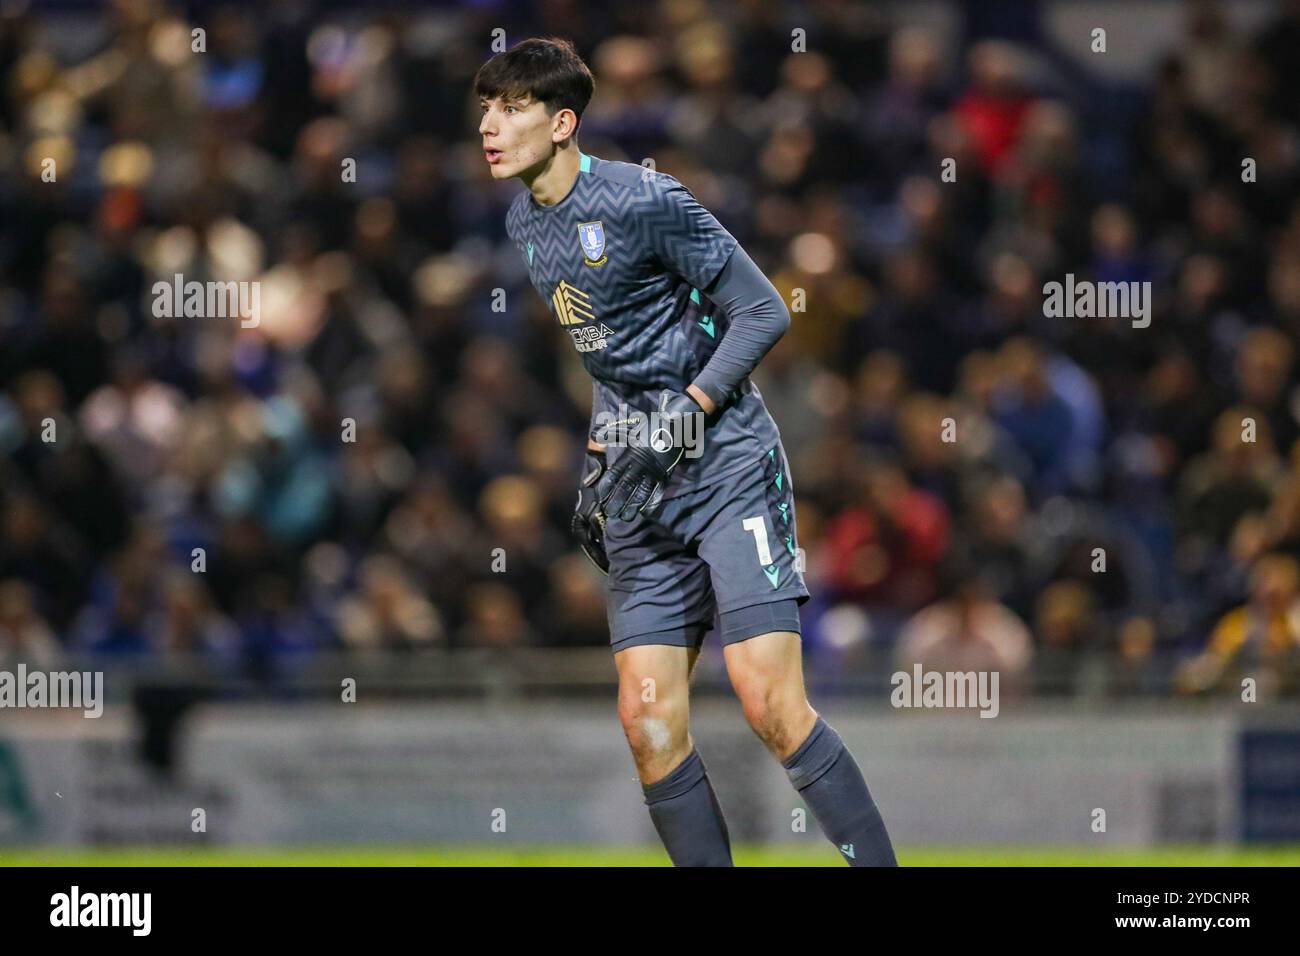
{"x": 828, "y": 778}
{"x": 687, "y": 815}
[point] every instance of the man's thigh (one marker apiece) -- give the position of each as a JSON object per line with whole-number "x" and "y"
{"x": 654, "y": 705}
{"x": 659, "y": 591}
{"x": 669, "y": 667}
{"x": 746, "y": 535}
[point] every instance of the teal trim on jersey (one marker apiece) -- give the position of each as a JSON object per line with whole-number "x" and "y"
{"x": 706, "y": 323}
{"x": 772, "y": 572}
{"x": 584, "y": 162}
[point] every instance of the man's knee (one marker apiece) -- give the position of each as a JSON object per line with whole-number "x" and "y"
{"x": 770, "y": 688}
{"x": 657, "y": 718}
{"x": 654, "y": 719}
{"x": 765, "y": 709}
{"x": 781, "y": 721}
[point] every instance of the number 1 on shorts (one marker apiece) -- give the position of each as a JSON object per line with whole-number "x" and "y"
{"x": 759, "y": 530}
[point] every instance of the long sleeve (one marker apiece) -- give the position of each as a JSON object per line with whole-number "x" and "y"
{"x": 758, "y": 317}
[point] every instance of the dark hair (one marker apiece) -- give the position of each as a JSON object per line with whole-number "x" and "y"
{"x": 542, "y": 68}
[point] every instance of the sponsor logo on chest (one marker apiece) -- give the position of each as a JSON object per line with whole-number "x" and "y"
{"x": 573, "y": 307}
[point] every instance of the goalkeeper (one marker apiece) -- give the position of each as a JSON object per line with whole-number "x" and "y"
{"x": 686, "y": 501}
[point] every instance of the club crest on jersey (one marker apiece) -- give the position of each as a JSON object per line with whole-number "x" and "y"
{"x": 591, "y": 236}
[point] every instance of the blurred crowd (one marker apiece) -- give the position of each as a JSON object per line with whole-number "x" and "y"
{"x": 1084, "y": 505}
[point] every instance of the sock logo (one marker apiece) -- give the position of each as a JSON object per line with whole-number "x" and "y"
{"x": 847, "y": 850}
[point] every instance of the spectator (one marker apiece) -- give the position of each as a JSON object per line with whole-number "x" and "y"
{"x": 968, "y": 631}
{"x": 1066, "y": 655}
{"x": 388, "y": 613}
{"x": 25, "y": 637}
{"x": 1259, "y": 640}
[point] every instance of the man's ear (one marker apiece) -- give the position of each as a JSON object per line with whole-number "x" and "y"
{"x": 566, "y": 126}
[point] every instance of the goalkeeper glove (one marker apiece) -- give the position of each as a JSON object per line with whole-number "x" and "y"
{"x": 635, "y": 482}
{"x": 588, "y": 524}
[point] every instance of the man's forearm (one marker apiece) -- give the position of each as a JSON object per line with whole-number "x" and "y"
{"x": 757, "y": 319}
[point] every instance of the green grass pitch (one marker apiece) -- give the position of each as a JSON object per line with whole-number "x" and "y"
{"x": 640, "y": 856}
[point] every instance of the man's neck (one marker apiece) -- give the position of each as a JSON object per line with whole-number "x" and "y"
{"x": 553, "y": 182}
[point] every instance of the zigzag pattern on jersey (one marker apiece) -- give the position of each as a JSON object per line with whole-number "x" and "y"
{"x": 649, "y": 212}
{"x": 594, "y": 197}
{"x": 642, "y": 212}
{"x": 661, "y": 209}
{"x": 703, "y": 323}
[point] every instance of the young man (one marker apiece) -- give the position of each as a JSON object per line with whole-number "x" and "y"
{"x": 686, "y": 502}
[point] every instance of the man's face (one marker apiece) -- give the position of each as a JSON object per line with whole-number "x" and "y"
{"x": 516, "y": 134}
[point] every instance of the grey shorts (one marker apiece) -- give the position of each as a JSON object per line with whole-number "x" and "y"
{"x": 721, "y": 557}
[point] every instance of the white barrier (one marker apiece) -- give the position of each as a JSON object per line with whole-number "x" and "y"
{"x": 423, "y": 774}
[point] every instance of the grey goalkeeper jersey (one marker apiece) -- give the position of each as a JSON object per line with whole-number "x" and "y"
{"x": 623, "y": 260}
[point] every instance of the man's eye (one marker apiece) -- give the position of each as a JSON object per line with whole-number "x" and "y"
{"x": 510, "y": 109}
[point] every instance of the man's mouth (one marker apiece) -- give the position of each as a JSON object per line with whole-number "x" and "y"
{"x": 493, "y": 155}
